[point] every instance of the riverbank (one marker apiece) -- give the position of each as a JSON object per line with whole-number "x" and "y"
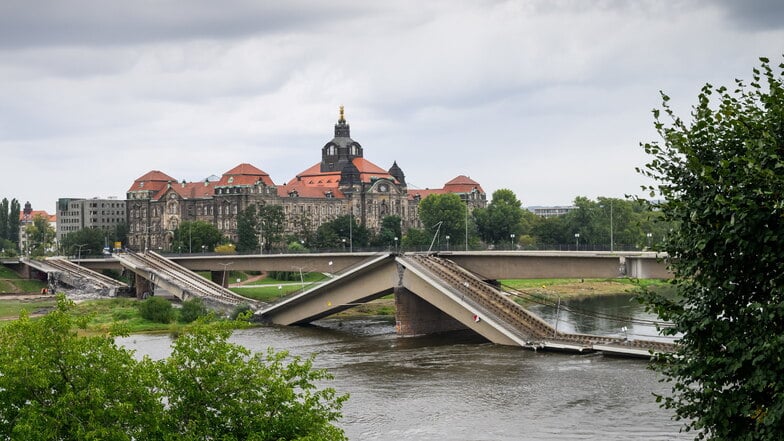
{"x": 105, "y": 312}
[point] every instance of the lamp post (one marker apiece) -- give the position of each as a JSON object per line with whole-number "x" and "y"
{"x": 344, "y": 244}
{"x": 225, "y": 270}
{"x": 79, "y": 258}
{"x": 447, "y": 242}
{"x": 301, "y": 277}
{"x": 396, "y": 239}
{"x": 577, "y": 241}
{"x": 612, "y": 242}
{"x": 203, "y": 249}
{"x": 649, "y": 236}
{"x": 512, "y": 239}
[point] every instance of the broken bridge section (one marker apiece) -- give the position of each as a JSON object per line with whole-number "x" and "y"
{"x": 62, "y": 272}
{"x": 360, "y": 283}
{"x": 152, "y": 269}
{"x": 432, "y": 295}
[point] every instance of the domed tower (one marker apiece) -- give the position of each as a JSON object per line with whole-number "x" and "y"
{"x": 341, "y": 149}
{"x": 398, "y": 174}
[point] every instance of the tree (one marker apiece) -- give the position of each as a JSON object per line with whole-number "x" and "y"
{"x": 271, "y": 223}
{"x": 219, "y": 390}
{"x": 197, "y": 236}
{"x": 55, "y": 385}
{"x": 40, "y": 235}
{"x": 722, "y": 182}
{"x": 247, "y": 234}
{"x": 502, "y": 218}
{"x": 13, "y": 221}
{"x": 447, "y": 209}
{"x": 390, "y": 229}
{"x": 85, "y": 241}
{"x": 192, "y": 309}
{"x": 332, "y": 234}
{"x": 156, "y": 309}
{"x": 4, "y": 207}
{"x": 58, "y": 385}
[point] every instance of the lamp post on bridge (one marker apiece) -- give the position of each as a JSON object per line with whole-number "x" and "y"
{"x": 447, "y": 242}
{"x": 512, "y": 237}
{"x": 577, "y": 241}
{"x": 649, "y": 236}
{"x": 396, "y": 239}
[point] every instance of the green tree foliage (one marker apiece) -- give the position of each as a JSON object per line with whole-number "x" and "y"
{"x": 722, "y": 177}
{"x": 331, "y": 234}
{"x": 56, "y": 385}
{"x": 13, "y": 221}
{"x": 4, "y": 207}
{"x": 191, "y": 236}
{"x": 416, "y": 239}
{"x": 502, "y": 218}
{"x": 192, "y": 309}
{"x": 156, "y": 309}
{"x": 40, "y": 235}
{"x": 228, "y": 393}
{"x": 247, "y": 232}
{"x": 91, "y": 240}
{"x": 271, "y": 223}
{"x": 390, "y": 229}
{"x": 9, "y": 221}
{"x": 445, "y": 208}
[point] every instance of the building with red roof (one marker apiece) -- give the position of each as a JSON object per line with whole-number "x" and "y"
{"x": 342, "y": 183}
{"x": 26, "y": 218}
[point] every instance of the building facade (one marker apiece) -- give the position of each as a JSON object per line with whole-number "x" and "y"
{"x": 26, "y": 218}
{"x": 74, "y": 214}
{"x": 342, "y": 183}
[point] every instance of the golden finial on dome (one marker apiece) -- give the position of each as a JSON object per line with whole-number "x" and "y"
{"x": 342, "y": 118}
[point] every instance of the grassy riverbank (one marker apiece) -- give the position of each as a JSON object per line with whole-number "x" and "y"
{"x": 105, "y": 313}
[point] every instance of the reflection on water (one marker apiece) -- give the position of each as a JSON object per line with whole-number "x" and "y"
{"x": 458, "y": 387}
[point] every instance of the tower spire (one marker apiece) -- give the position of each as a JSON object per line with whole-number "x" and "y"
{"x": 342, "y": 116}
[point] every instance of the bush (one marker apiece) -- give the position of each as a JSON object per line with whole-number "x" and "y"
{"x": 156, "y": 309}
{"x": 192, "y": 309}
{"x": 241, "y": 310}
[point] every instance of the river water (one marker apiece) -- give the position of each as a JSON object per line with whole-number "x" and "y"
{"x": 458, "y": 387}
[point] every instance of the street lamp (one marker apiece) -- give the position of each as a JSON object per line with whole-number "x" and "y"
{"x": 79, "y": 258}
{"x": 203, "y": 249}
{"x": 344, "y": 244}
{"x": 649, "y": 236}
{"x": 512, "y": 237}
{"x": 612, "y": 242}
{"x": 396, "y": 239}
{"x": 577, "y": 241}
{"x": 447, "y": 242}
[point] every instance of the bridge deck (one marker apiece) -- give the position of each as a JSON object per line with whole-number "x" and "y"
{"x": 179, "y": 281}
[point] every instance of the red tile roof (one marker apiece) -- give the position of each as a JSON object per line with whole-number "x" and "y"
{"x": 313, "y": 176}
{"x": 52, "y": 218}
{"x": 152, "y": 181}
{"x": 195, "y": 190}
{"x": 244, "y": 174}
{"x": 460, "y": 184}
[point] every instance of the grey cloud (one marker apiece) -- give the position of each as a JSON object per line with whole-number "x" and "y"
{"x": 25, "y": 23}
{"x": 754, "y": 14}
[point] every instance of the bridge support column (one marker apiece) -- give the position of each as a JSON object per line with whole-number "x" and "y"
{"x": 142, "y": 286}
{"x": 415, "y": 316}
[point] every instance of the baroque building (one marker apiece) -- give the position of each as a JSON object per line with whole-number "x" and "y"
{"x": 342, "y": 183}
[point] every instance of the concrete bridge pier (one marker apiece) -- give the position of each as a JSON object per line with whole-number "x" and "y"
{"x": 142, "y": 286}
{"x": 416, "y": 316}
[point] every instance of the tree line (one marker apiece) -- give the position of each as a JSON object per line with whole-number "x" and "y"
{"x": 9, "y": 226}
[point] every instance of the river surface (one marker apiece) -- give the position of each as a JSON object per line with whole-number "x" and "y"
{"x": 457, "y": 387}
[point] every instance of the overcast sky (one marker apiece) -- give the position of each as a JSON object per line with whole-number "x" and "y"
{"x": 549, "y": 99}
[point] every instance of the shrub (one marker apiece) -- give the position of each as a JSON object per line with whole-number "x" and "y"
{"x": 239, "y": 310}
{"x": 192, "y": 309}
{"x": 156, "y": 309}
